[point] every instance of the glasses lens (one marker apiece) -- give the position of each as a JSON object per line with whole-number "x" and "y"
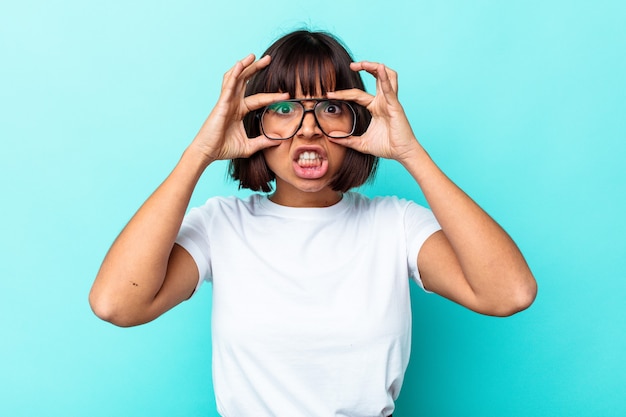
{"x": 336, "y": 118}
{"x": 282, "y": 119}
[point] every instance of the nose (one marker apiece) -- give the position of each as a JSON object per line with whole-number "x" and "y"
{"x": 309, "y": 127}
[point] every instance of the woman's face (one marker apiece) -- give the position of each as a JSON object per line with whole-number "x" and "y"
{"x": 305, "y": 166}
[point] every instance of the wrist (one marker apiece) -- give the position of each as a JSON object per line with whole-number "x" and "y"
{"x": 195, "y": 159}
{"x": 417, "y": 162}
{"x": 410, "y": 153}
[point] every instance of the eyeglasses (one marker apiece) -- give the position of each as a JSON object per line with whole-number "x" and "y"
{"x": 282, "y": 120}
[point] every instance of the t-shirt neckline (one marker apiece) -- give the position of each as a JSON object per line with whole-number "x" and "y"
{"x": 305, "y": 212}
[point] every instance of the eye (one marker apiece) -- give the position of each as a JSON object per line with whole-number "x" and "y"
{"x": 332, "y": 107}
{"x": 282, "y": 107}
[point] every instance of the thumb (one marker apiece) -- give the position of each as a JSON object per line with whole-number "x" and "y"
{"x": 259, "y": 143}
{"x": 353, "y": 142}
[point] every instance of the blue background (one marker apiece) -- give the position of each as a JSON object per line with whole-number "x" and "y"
{"x": 522, "y": 103}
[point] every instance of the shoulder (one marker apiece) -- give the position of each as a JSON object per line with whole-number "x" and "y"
{"x": 216, "y": 209}
{"x": 380, "y": 203}
{"x": 232, "y": 204}
{"x": 394, "y": 209}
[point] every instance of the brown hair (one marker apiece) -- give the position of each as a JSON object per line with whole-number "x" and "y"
{"x": 315, "y": 62}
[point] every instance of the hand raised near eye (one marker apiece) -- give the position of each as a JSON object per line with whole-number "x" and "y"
{"x": 389, "y": 134}
{"x": 222, "y": 136}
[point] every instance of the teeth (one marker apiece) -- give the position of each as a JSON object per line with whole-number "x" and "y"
{"x": 309, "y": 159}
{"x": 309, "y": 156}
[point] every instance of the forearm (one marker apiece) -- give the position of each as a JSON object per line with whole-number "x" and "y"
{"x": 134, "y": 269}
{"x": 145, "y": 273}
{"x": 490, "y": 261}
{"x": 474, "y": 261}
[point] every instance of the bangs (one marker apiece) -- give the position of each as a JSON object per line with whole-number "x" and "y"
{"x": 311, "y": 76}
{"x": 308, "y": 65}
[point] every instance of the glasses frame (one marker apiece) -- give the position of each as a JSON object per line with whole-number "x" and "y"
{"x": 317, "y": 101}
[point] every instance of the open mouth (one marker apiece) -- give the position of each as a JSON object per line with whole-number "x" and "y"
{"x": 310, "y": 164}
{"x": 309, "y": 159}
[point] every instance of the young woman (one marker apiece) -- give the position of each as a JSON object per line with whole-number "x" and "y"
{"x": 311, "y": 311}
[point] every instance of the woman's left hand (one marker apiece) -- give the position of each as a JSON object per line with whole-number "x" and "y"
{"x": 389, "y": 134}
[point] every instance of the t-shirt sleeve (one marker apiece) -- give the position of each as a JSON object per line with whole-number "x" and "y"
{"x": 419, "y": 224}
{"x": 193, "y": 237}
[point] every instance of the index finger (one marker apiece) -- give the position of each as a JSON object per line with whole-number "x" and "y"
{"x": 386, "y": 78}
{"x": 354, "y": 94}
{"x": 254, "y": 66}
{"x": 245, "y": 68}
{"x": 256, "y": 101}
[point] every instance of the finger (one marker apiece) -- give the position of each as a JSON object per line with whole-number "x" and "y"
{"x": 393, "y": 78}
{"x": 259, "y": 100}
{"x": 353, "y": 142}
{"x": 354, "y": 94}
{"x": 230, "y": 77}
{"x": 367, "y": 66}
{"x": 239, "y": 66}
{"x": 255, "y": 66}
{"x": 235, "y": 78}
{"x": 384, "y": 82}
{"x": 259, "y": 143}
{"x": 386, "y": 78}
{"x": 247, "y": 60}
{"x": 245, "y": 67}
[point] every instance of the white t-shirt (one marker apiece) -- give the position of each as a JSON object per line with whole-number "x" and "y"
{"x": 311, "y": 311}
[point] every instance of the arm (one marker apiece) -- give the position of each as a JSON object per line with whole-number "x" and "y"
{"x": 145, "y": 273}
{"x": 472, "y": 260}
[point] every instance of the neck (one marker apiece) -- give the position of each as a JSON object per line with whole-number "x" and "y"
{"x": 323, "y": 198}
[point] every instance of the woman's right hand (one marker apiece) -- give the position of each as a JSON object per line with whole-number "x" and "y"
{"x": 145, "y": 273}
{"x": 222, "y": 136}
